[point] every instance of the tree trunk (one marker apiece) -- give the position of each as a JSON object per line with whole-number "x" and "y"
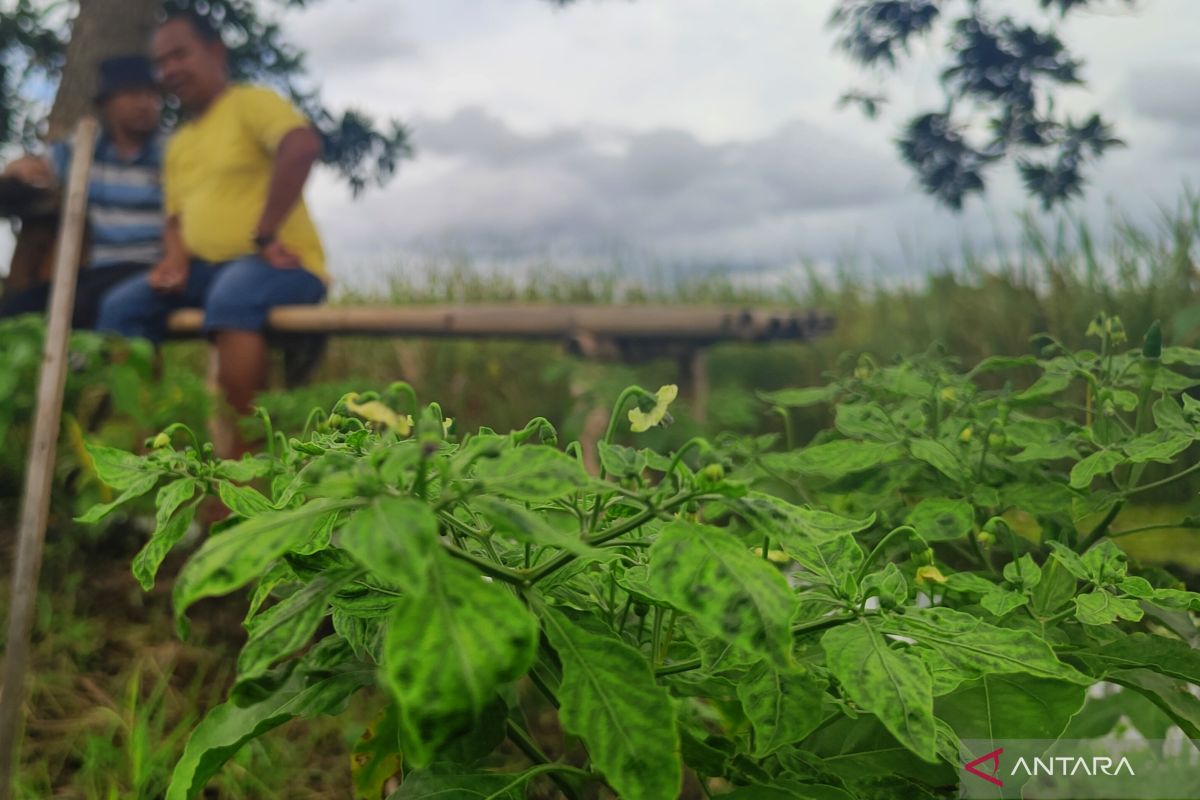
{"x": 101, "y": 29}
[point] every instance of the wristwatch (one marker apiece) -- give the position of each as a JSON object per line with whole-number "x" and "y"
{"x": 261, "y": 240}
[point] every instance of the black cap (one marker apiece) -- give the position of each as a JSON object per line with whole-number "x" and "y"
{"x": 124, "y": 72}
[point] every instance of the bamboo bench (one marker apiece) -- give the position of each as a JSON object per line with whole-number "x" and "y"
{"x": 606, "y": 333}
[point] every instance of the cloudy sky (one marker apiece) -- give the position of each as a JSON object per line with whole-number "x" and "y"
{"x": 693, "y": 131}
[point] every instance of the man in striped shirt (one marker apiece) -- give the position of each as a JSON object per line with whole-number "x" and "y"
{"x": 125, "y": 217}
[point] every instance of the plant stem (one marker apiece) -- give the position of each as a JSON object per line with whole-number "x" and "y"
{"x": 1164, "y": 481}
{"x": 827, "y": 622}
{"x": 1162, "y": 526}
{"x": 797, "y": 630}
{"x": 611, "y": 431}
{"x": 1101, "y": 528}
{"x": 878, "y": 549}
{"x": 675, "y": 669}
{"x": 525, "y": 743}
{"x": 489, "y": 568}
{"x": 631, "y": 524}
{"x": 766, "y": 548}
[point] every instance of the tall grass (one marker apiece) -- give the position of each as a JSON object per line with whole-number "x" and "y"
{"x": 1054, "y": 280}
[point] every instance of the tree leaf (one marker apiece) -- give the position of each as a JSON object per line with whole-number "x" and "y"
{"x": 309, "y": 690}
{"x": 610, "y": 699}
{"x": 940, "y": 519}
{"x": 1095, "y": 465}
{"x": 288, "y": 625}
{"x": 977, "y": 648}
{"x": 393, "y": 537}
{"x": 783, "y": 706}
{"x": 742, "y": 599}
{"x": 166, "y": 536}
{"x": 233, "y": 557}
{"x": 892, "y": 684}
{"x": 1102, "y": 608}
{"x": 449, "y": 648}
{"x": 999, "y": 707}
{"x": 533, "y": 473}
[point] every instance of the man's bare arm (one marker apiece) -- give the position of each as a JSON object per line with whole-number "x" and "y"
{"x": 31, "y": 169}
{"x": 171, "y": 273}
{"x": 297, "y": 152}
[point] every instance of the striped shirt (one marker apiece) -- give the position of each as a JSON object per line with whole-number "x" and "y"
{"x": 125, "y": 214}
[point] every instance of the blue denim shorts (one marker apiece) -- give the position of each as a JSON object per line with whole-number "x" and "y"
{"x": 236, "y": 296}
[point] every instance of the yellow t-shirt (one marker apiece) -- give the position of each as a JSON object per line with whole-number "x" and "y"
{"x": 217, "y": 170}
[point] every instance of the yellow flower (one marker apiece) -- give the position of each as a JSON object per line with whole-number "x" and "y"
{"x": 930, "y": 574}
{"x": 377, "y": 412}
{"x": 642, "y": 421}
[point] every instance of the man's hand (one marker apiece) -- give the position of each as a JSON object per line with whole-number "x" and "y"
{"x": 279, "y": 256}
{"x": 32, "y": 170}
{"x": 169, "y": 276}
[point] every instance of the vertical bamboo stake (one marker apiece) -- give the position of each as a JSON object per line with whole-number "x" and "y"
{"x": 35, "y": 506}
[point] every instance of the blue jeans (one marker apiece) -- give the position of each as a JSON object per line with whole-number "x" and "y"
{"x": 236, "y": 296}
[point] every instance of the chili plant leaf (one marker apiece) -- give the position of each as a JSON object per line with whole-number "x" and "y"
{"x": 783, "y": 706}
{"x": 622, "y": 461}
{"x": 533, "y": 473}
{"x": 800, "y": 398}
{"x": 530, "y": 528}
{"x": 166, "y": 536}
{"x": 731, "y": 593}
{"x": 449, "y": 648}
{"x": 1103, "y": 608}
{"x": 833, "y": 460}
{"x": 999, "y": 707}
{"x": 288, "y": 625}
{"x": 309, "y": 690}
{"x": 376, "y": 756}
{"x": 976, "y": 648}
{"x": 119, "y": 469}
{"x": 892, "y": 684}
{"x": 245, "y": 501}
{"x": 784, "y": 522}
{"x": 1142, "y": 650}
{"x": 940, "y": 457}
{"x": 453, "y": 783}
{"x": 1095, "y": 465}
{"x": 233, "y": 557}
{"x": 610, "y": 699}
{"x": 135, "y": 488}
{"x": 939, "y": 519}
{"x": 393, "y": 537}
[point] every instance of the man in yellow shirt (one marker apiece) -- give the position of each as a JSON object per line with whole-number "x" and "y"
{"x": 238, "y": 237}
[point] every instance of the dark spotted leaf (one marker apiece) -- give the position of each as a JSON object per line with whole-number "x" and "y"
{"x": 732, "y": 594}
{"x": 891, "y": 683}
{"x": 610, "y": 699}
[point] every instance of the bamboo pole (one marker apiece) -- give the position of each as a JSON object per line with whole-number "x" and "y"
{"x": 35, "y": 506}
